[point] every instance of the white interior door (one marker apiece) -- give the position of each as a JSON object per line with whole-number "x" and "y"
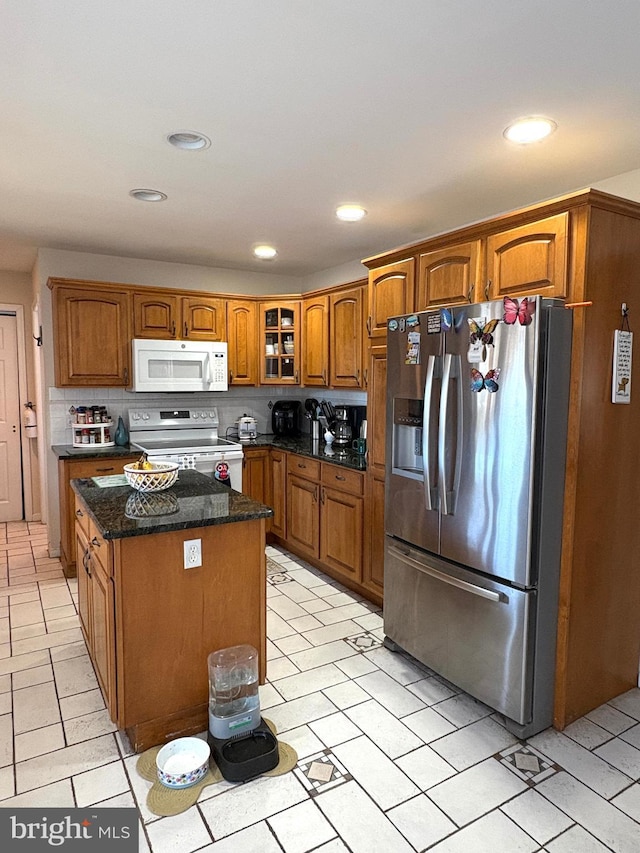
{"x": 11, "y": 507}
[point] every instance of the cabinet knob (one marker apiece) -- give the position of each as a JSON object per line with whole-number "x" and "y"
{"x": 487, "y": 288}
{"x": 105, "y": 469}
{"x": 79, "y": 513}
{"x": 470, "y": 293}
{"x": 126, "y": 376}
{"x": 186, "y": 330}
{"x": 322, "y": 496}
{"x": 301, "y": 465}
{"x": 173, "y": 329}
{"x": 340, "y": 477}
{"x": 95, "y": 542}
{"x": 369, "y": 326}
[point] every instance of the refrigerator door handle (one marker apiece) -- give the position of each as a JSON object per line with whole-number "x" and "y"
{"x": 426, "y": 427}
{"x": 452, "y": 370}
{"x": 448, "y": 579}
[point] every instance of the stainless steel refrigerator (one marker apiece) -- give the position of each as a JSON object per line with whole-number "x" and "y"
{"x": 477, "y": 406}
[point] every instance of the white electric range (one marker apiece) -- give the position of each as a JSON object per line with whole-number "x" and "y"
{"x": 190, "y": 438}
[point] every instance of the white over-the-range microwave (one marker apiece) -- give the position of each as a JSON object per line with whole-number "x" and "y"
{"x": 179, "y": 365}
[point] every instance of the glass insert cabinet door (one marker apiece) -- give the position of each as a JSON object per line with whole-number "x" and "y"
{"x": 280, "y": 343}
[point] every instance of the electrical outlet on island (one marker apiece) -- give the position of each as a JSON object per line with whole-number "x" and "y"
{"x": 192, "y": 553}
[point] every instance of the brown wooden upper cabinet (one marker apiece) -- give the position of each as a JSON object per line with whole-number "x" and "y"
{"x": 315, "y": 340}
{"x": 450, "y": 276}
{"x": 332, "y": 327}
{"x": 92, "y": 330}
{"x": 279, "y": 342}
{"x": 346, "y": 308}
{"x": 156, "y": 315}
{"x": 529, "y": 259}
{"x": 242, "y": 337}
{"x": 391, "y": 292}
{"x": 165, "y": 315}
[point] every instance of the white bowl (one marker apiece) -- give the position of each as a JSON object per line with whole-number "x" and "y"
{"x": 152, "y": 479}
{"x": 183, "y": 762}
{"x": 286, "y": 321}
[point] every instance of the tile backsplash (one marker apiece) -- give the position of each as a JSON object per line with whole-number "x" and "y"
{"x": 231, "y": 404}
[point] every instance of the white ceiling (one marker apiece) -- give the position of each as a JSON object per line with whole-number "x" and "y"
{"x": 397, "y": 105}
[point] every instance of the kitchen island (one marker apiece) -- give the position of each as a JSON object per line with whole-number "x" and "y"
{"x": 149, "y": 622}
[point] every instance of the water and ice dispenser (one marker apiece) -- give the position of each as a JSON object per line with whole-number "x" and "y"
{"x": 242, "y": 743}
{"x": 407, "y": 438}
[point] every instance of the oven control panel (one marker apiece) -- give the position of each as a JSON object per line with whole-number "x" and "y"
{"x": 159, "y": 418}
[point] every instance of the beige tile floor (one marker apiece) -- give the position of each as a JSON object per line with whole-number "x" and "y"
{"x": 391, "y": 757}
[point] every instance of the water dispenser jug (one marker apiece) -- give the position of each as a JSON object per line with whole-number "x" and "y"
{"x": 234, "y": 702}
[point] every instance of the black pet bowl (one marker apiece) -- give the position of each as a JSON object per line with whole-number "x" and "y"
{"x": 246, "y": 756}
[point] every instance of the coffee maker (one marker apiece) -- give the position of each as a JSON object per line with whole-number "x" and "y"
{"x": 285, "y": 418}
{"x": 342, "y": 428}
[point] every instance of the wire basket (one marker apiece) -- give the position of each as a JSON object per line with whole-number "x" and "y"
{"x": 152, "y": 479}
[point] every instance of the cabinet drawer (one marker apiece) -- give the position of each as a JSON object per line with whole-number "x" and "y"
{"x": 82, "y": 468}
{"x": 99, "y": 548}
{"x": 82, "y": 517}
{"x": 302, "y": 466}
{"x": 341, "y": 478}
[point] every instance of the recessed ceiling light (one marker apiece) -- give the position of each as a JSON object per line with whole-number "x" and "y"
{"x": 530, "y": 129}
{"x": 148, "y": 195}
{"x": 350, "y": 212}
{"x": 188, "y": 140}
{"x": 264, "y": 252}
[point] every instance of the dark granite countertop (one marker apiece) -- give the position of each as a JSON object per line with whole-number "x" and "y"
{"x": 91, "y": 451}
{"x": 304, "y": 446}
{"x": 301, "y": 445}
{"x": 195, "y": 500}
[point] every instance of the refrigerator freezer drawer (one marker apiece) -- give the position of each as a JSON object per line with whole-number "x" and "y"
{"x": 473, "y": 631}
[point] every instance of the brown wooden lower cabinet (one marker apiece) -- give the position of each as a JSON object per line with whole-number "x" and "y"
{"x": 75, "y": 469}
{"x": 256, "y": 474}
{"x": 373, "y": 566}
{"x": 278, "y": 501}
{"x": 303, "y": 515}
{"x": 96, "y": 604}
{"x": 326, "y": 520}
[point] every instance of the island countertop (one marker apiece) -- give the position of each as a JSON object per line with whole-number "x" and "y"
{"x": 195, "y": 500}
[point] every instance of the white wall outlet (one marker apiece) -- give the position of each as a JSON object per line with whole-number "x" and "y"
{"x": 192, "y": 553}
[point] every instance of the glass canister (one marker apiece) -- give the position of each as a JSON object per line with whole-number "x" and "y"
{"x": 234, "y": 702}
